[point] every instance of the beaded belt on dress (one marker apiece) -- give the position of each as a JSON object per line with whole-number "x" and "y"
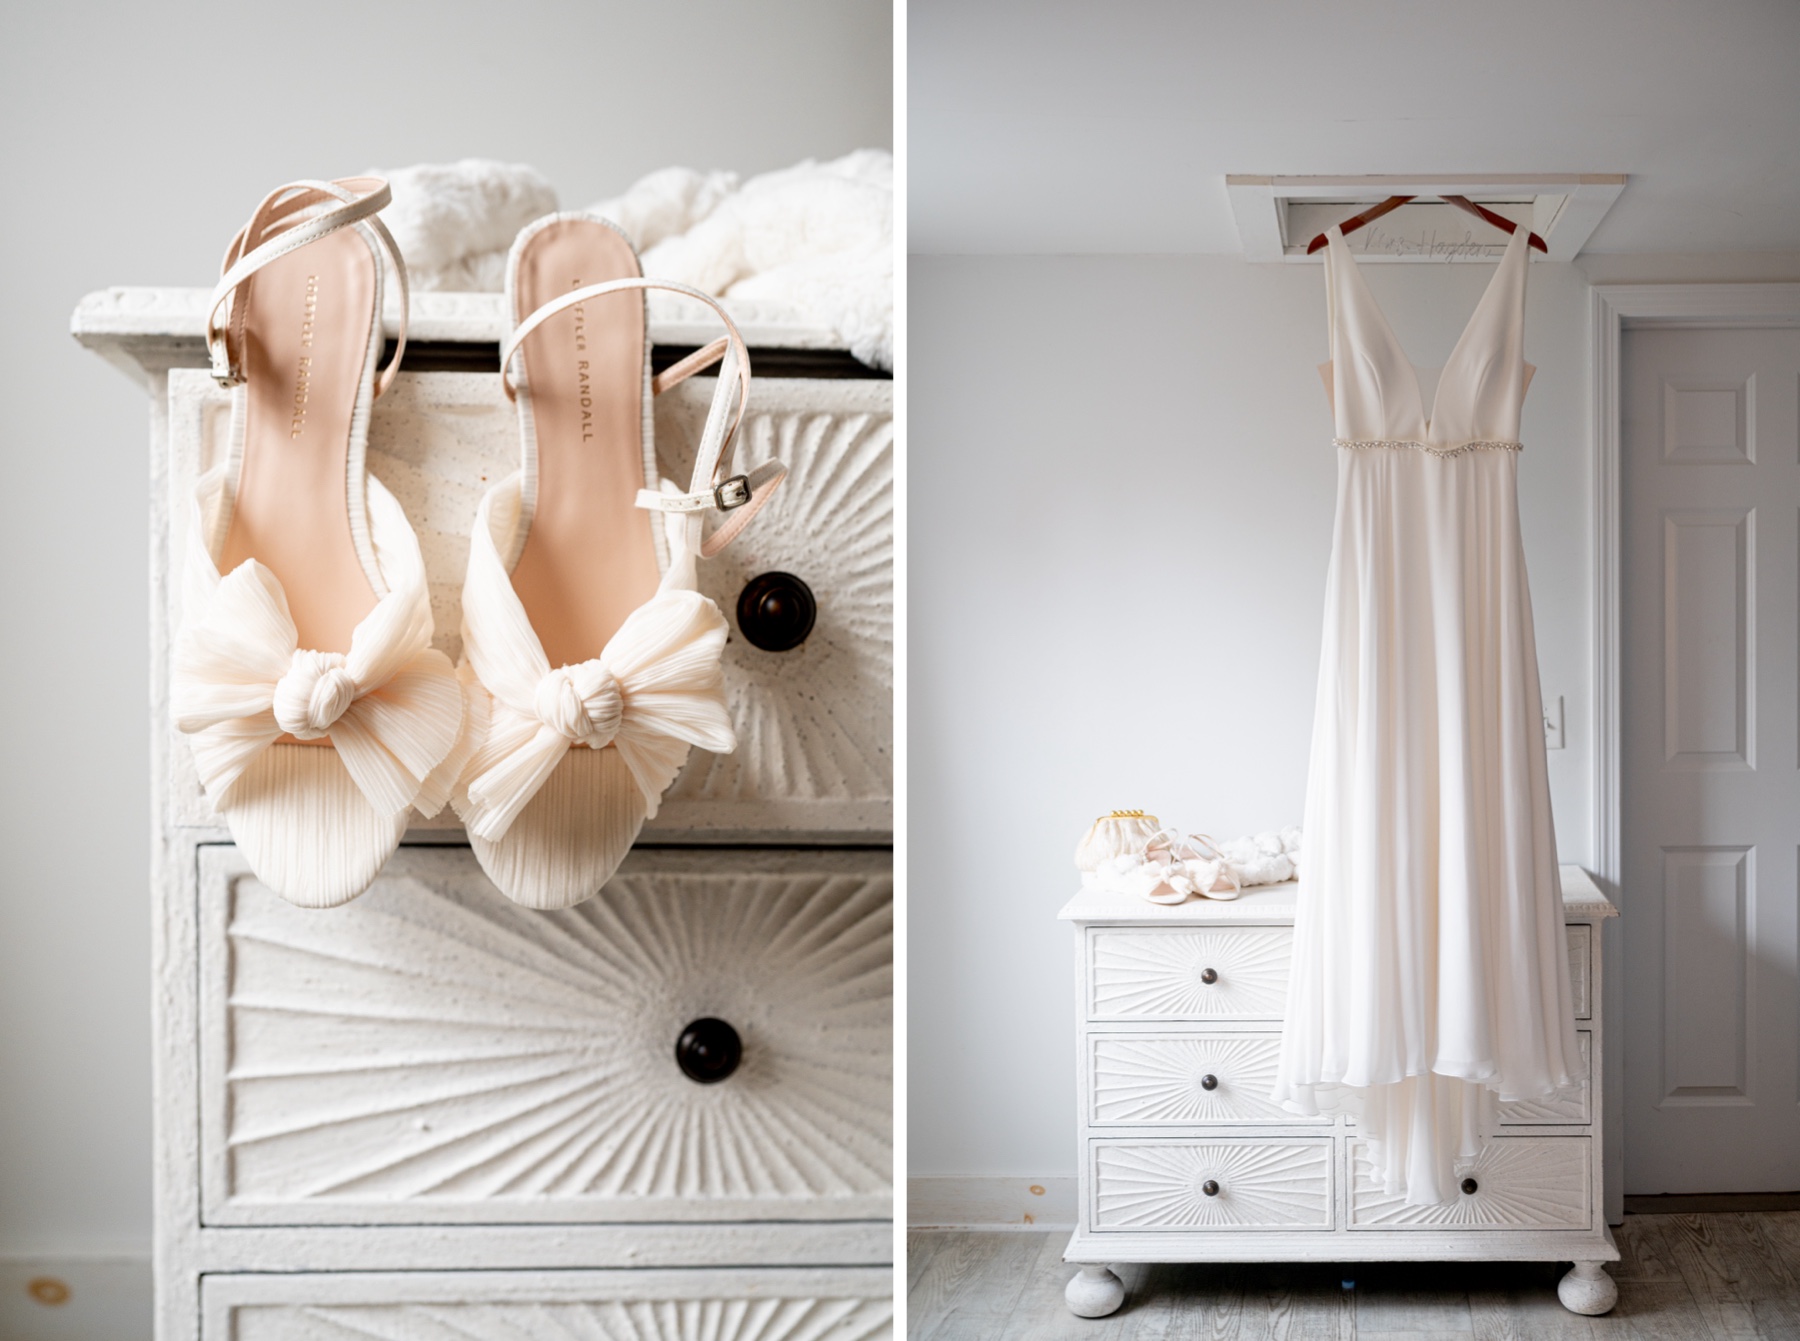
{"x": 1452, "y": 449}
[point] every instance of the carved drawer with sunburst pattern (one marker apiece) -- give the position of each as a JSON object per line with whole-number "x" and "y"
{"x": 767, "y": 1305}
{"x": 815, "y": 729}
{"x": 1517, "y": 1182}
{"x": 432, "y": 1053}
{"x": 1160, "y": 1186}
{"x": 1185, "y": 1079}
{"x": 1211, "y": 973}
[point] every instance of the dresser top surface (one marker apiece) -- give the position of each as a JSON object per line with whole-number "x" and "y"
{"x": 1274, "y": 904}
{"x": 122, "y": 314}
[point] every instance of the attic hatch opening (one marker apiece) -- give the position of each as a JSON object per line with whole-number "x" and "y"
{"x": 1278, "y": 216}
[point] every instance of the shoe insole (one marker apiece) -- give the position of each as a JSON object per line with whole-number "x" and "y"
{"x": 589, "y": 559}
{"x": 306, "y": 333}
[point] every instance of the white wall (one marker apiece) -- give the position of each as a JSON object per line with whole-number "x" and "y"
{"x": 1120, "y": 490}
{"x": 138, "y": 138}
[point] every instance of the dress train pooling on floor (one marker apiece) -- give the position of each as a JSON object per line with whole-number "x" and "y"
{"x": 1430, "y": 978}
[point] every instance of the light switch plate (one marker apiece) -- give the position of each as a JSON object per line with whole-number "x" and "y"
{"x": 1553, "y": 723}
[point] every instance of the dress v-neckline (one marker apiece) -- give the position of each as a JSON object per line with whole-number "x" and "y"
{"x": 1412, "y": 369}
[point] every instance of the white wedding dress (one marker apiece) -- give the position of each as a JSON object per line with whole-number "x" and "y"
{"x": 1430, "y": 978}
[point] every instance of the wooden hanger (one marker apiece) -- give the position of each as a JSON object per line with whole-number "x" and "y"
{"x": 1499, "y": 221}
{"x": 1463, "y": 203}
{"x": 1356, "y": 221}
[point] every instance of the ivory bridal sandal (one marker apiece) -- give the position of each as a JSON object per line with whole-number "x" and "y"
{"x": 592, "y": 660}
{"x": 318, "y": 713}
{"x": 1177, "y": 866}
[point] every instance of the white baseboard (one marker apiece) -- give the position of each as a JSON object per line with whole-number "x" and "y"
{"x": 85, "y": 1298}
{"x": 990, "y": 1203}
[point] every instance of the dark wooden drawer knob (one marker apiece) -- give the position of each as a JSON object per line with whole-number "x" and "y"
{"x": 1470, "y": 1187}
{"x": 1210, "y": 1188}
{"x": 1209, "y": 976}
{"x": 775, "y": 611}
{"x": 708, "y": 1051}
{"x": 1209, "y": 1082}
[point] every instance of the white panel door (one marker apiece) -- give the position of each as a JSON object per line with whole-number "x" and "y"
{"x": 1711, "y": 759}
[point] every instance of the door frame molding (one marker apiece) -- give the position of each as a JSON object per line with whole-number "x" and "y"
{"x": 1614, "y": 308}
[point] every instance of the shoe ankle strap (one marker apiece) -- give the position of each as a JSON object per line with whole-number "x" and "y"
{"x": 712, "y": 486}
{"x": 288, "y": 218}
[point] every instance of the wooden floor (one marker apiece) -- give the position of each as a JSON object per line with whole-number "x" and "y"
{"x": 1722, "y": 1277}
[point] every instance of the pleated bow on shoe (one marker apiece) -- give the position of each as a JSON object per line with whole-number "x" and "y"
{"x": 654, "y": 691}
{"x": 391, "y": 708}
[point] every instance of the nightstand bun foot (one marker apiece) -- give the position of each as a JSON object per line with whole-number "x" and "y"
{"x": 1587, "y": 1289}
{"x": 1095, "y": 1292}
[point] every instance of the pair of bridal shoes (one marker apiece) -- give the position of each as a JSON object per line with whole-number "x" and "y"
{"x": 1175, "y": 867}
{"x": 319, "y": 715}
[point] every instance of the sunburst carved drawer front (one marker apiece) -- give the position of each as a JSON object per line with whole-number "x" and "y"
{"x": 768, "y": 1305}
{"x": 1212, "y": 973}
{"x": 434, "y": 1053}
{"x": 815, "y": 732}
{"x": 815, "y": 723}
{"x": 1149, "y": 1186}
{"x": 1523, "y": 1182}
{"x": 1559, "y": 1109}
{"x": 1185, "y": 1079}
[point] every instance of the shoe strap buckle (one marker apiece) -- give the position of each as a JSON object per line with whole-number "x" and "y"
{"x": 226, "y": 373}
{"x": 732, "y": 493}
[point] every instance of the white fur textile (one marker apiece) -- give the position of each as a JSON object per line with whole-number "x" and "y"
{"x": 807, "y": 245}
{"x": 455, "y": 222}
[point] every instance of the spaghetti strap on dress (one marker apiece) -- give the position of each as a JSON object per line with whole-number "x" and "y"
{"x": 1430, "y": 978}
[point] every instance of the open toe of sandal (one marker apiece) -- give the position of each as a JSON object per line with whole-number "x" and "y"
{"x": 306, "y": 828}
{"x": 571, "y": 836}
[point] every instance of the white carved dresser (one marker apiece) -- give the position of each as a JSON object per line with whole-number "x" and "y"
{"x": 1183, "y": 1157}
{"x": 432, "y": 1113}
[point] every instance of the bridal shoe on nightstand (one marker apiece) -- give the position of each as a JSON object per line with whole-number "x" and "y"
{"x": 318, "y": 713}
{"x": 592, "y": 659}
{"x": 1177, "y": 866}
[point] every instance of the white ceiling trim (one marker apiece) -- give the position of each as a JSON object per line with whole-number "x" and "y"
{"x": 1278, "y": 216}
